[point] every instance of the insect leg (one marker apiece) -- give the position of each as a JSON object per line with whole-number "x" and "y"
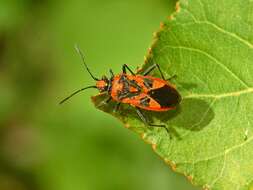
{"x": 111, "y": 72}
{"x": 124, "y": 67}
{"x": 104, "y": 102}
{"x": 108, "y": 100}
{"x": 151, "y": 68}
{"x": 116, "y": 107}
{"x": 144, "y": 119}
{"x": 172, "y": 77}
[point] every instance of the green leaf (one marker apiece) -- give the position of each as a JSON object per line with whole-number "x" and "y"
{"x": 209, "y": 46}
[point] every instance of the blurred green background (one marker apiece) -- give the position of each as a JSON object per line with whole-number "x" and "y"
{"x": 44, "y": 146}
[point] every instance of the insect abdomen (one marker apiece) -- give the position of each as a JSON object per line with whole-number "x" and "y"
{"x": 166, "y": 96}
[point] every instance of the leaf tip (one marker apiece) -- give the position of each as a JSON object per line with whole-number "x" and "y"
{"x": 155, "y": 34}
{"x": 206, "y": 187}
{"x": 171, "y": 164}
{"x": 127, "y": 126}
{"x": 149, "y": 50}
{"x": 143, "y": 135}
{"x": 145, "y": 58}
{"x": 154, "y": 146}
{"x": 171, "y": 17}
{"x": 178, "y": 7}
{"x": 190, "y": 178}
{"x": 162, "y": 25}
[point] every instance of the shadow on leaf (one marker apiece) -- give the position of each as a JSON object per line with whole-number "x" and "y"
{"x": 192, "y": 114}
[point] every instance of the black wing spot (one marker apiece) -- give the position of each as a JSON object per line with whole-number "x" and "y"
{"x": 148, "y": 82}
{"x": 145, "y": 101}
{"x": 166, "y": 96}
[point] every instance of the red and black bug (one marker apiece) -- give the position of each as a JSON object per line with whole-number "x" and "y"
{"x": 143, "y": 92}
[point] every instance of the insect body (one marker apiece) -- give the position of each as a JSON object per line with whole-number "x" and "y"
{"x": 144, "y": 92}
{"x": 140, "y": 91}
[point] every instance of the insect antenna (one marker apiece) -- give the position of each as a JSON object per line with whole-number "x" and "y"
{"x": 82, "y": 57}
{"x": 76, "y": 92}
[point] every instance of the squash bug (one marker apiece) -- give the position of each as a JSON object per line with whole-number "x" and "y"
{"x": 143, "y": 92}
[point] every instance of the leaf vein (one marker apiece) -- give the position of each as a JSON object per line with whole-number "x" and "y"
{"x": 210, "y": 57}
{"x": 220, "y": 173}
{"x": 204, "y": 12}
{"x": 203, "y": 117}
{"x": 233, "y": 35}
{"x": 219, "y": 96}
{"x": 220, "y": 154}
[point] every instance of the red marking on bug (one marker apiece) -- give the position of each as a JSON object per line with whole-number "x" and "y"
{"x": 142, "y": 92}
{"x": 100, "y": 84}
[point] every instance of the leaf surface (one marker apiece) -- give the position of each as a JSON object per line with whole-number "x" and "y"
{"x": 209, "y": 46}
